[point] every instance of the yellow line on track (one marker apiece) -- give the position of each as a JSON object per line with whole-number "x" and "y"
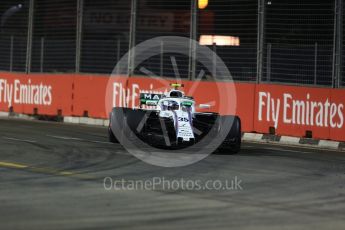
{"x": 50, "y": 171}
{"x": 12, "y": 165}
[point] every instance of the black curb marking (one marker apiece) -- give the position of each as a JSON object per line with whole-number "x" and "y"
{"x": 341, "y": 146}
{"x": 271, "y": 137}
{"x": 309, "y": 141}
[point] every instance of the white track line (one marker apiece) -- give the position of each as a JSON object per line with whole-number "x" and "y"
{"x": 286, "y": 150}
{"x": 65, "y": 138}
{"x": 300, "y": 146}
{"x": 77, "y": 139}
{"x": 101, "y": 142}
{"x": 17, "y": 139}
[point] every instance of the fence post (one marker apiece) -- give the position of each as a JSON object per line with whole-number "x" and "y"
{"x": 11, "y": 53}
{"x": 214, "y": 49}
{"x": 29, "y": 37}
{"x": 337, "y": 44}
{"x": 340, "y": 43}
{"x": 315, "y": 63}
{"x": 118, "y": 53}
{"x": 80, "y": 10}
{"x": 268, "y": 64}
{"x": 162, "y": 59}
{"x": 260, "y": 40}
{"x": 193, "y": 37}
{"x": 42, "y": 54}
{"x": 132, "y": 38}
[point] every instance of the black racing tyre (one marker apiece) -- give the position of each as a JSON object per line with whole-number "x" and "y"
{"x": 111, "y": 136}
{"x": 232, "y": 143}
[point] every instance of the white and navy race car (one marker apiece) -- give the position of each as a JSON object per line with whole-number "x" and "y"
{"x": 172, "y": 122}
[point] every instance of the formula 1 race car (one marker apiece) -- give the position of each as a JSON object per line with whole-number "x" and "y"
{"x": 172, "y": 122}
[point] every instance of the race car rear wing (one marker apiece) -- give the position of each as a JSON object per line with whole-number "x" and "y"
{"x": 150, "y": 99}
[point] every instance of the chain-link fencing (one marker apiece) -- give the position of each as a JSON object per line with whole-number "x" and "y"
{"x": 280, "y": 41}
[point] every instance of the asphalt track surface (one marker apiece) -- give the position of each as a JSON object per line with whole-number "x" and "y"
{"x": 52, "y": 177}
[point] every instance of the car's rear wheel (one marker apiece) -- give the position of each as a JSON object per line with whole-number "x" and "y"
{"x": 232, "y": 143}
{"x": 111, "y": 136}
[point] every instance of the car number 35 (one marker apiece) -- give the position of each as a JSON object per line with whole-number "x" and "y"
{"x": 183, "y": 119}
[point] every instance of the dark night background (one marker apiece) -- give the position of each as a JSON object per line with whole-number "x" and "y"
{"x": 295, "y": 31}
